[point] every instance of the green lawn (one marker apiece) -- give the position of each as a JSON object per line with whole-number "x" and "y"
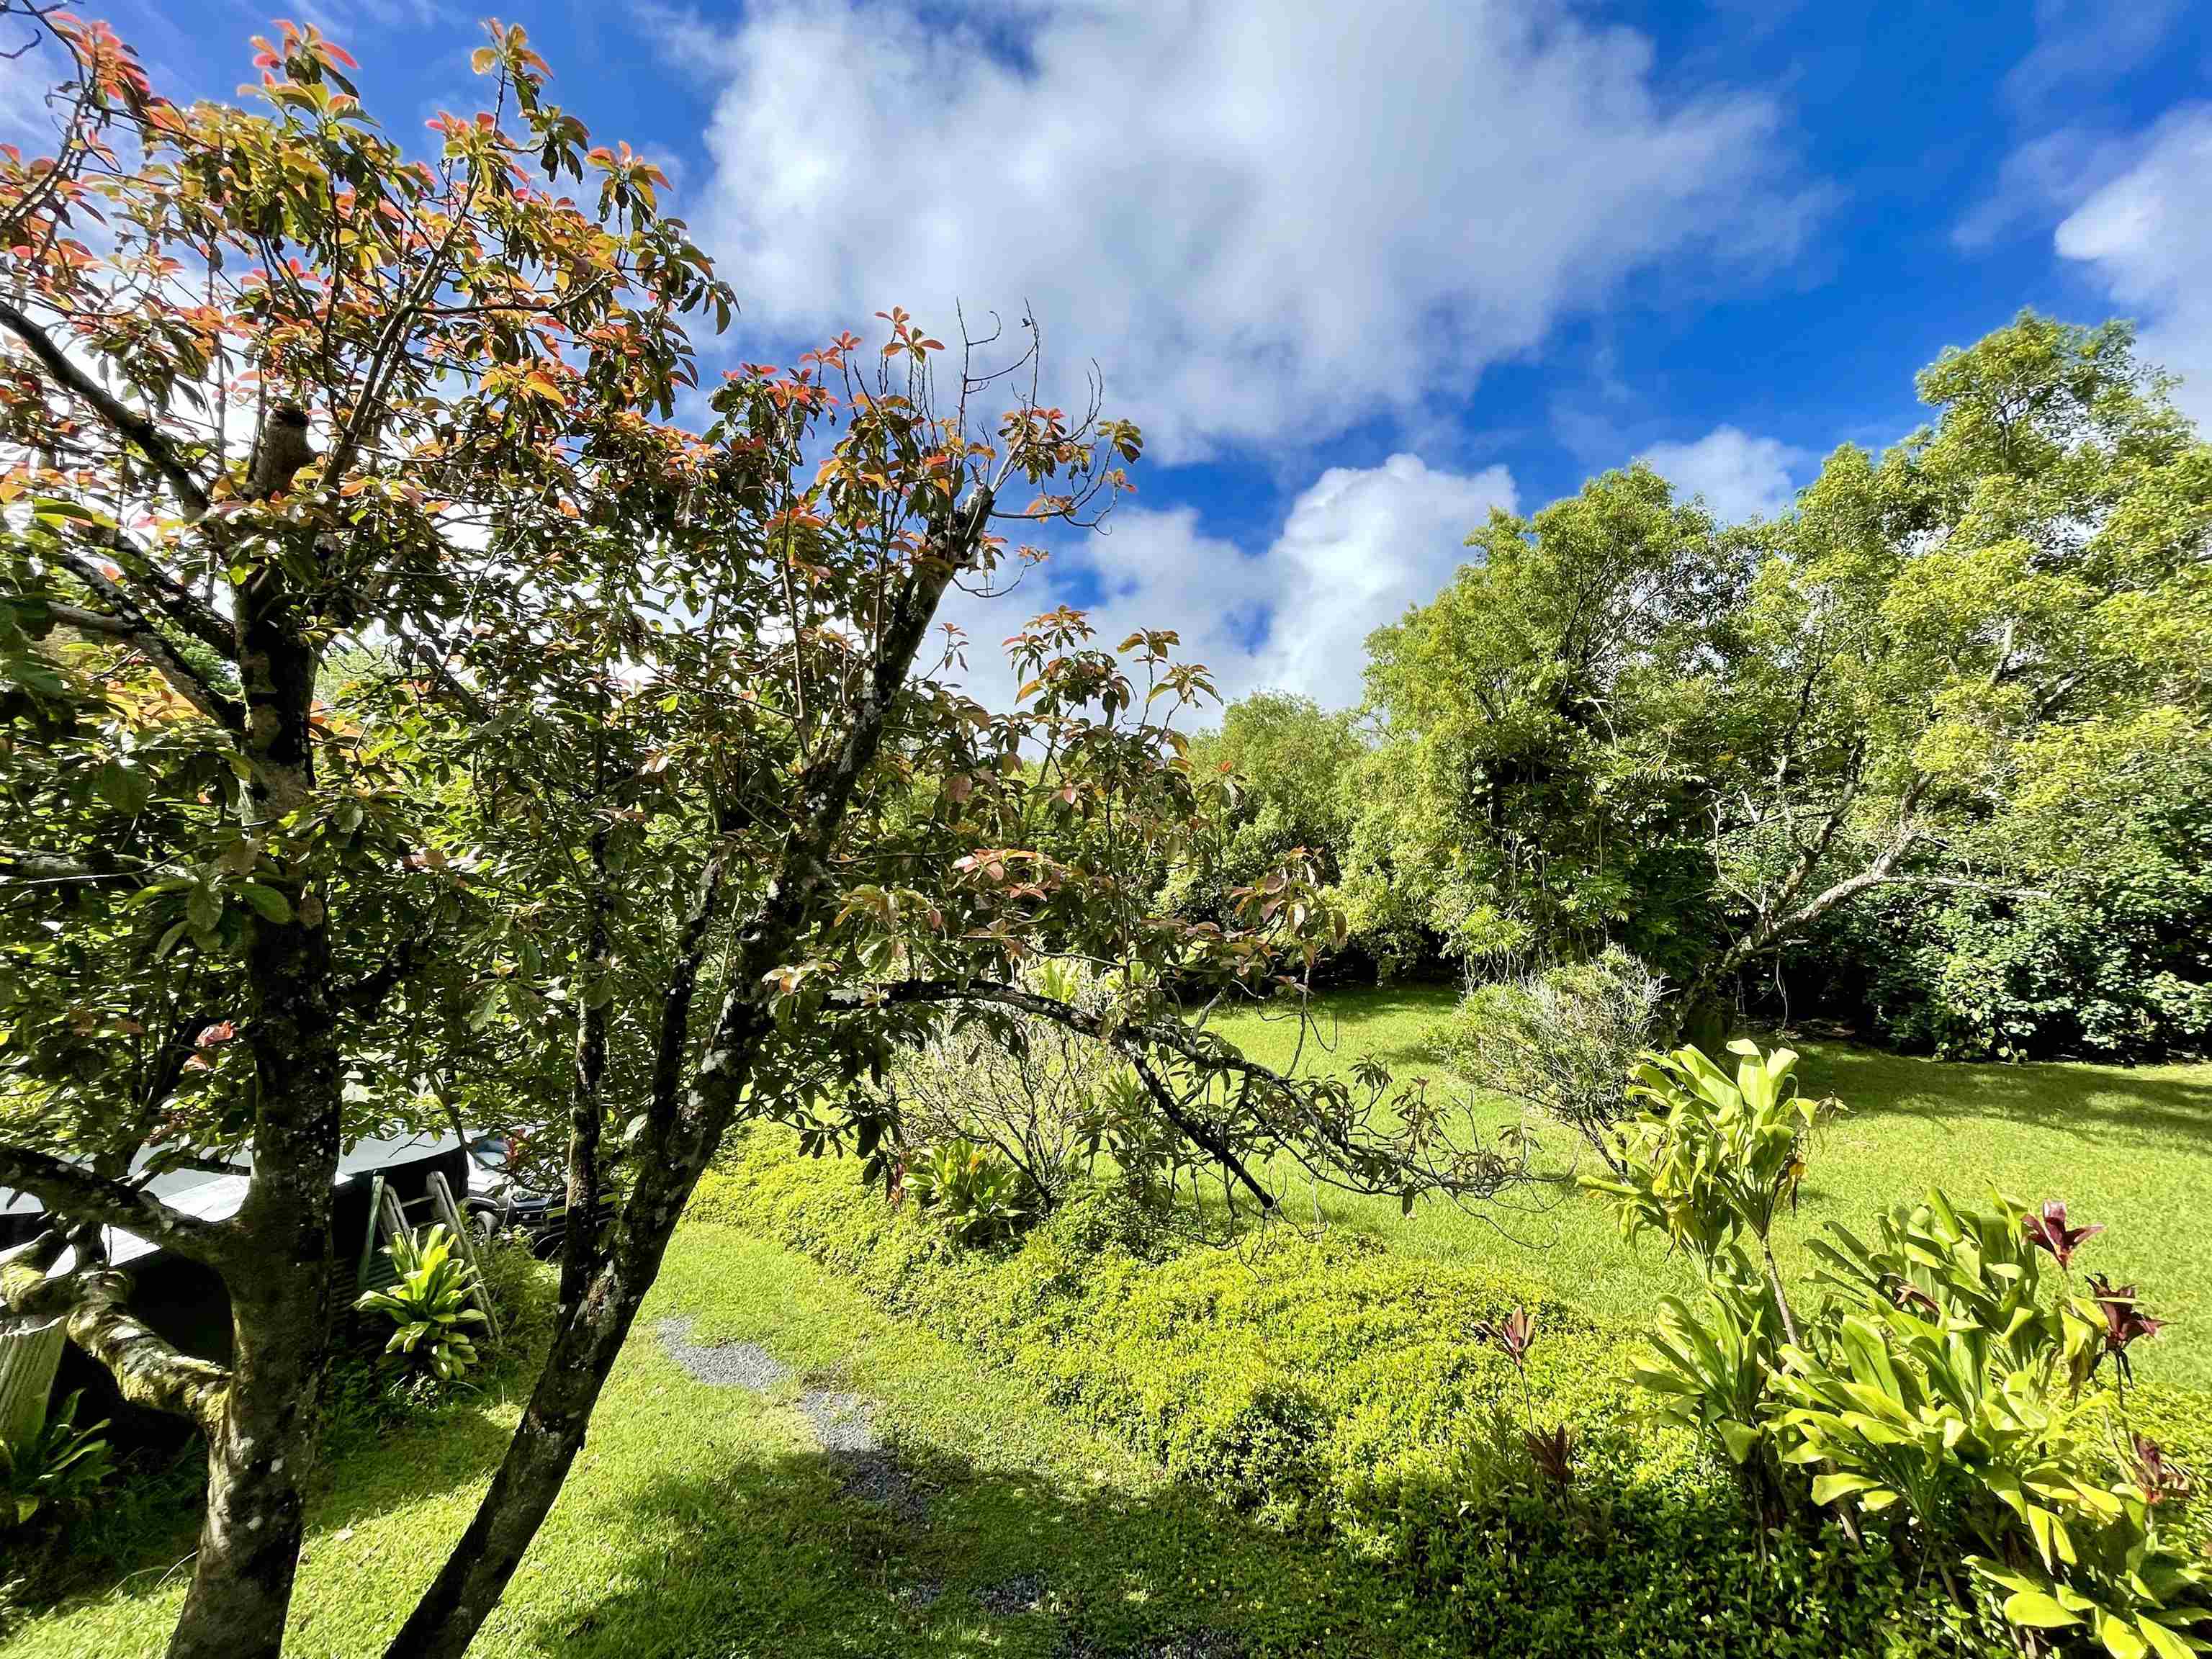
{"x": 705, "y": 1520}
{"x": 2130, "y": 1148}
{"x": 702, "y": 1523}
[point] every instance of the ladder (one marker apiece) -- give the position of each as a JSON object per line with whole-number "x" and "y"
{"x": 388, "y": 1221}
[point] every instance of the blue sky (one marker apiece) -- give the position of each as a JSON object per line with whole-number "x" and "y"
{"x": 1363, "y": 272}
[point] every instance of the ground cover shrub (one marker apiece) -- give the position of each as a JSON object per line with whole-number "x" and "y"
{"x": 1321, "y": 1383}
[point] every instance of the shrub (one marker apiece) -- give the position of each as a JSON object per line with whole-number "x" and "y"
{"x": 1320, "y": 1383}
{"x": 1940, "y": 1379}
{"x": 1045, "y": 1100}
{"x": 1561, "y": 1042}
{"x": 976, "y": 1195}
{"x": 430, "y": 1304}
{"x": 54, "y": 1470}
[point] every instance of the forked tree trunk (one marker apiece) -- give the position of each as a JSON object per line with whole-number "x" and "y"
{"x": 682, "y": 1137}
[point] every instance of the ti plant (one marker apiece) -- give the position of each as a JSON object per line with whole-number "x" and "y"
{"x": 1551, "y": 1448}
{"x": 431, "y": 1305}
{"x": 56, "y": 1468}
{"x": 976, "y": 1193}
{"x": 1709, "y": 1162}
{"x": 1950, "y": 1387}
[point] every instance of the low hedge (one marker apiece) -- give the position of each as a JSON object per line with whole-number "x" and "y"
{"x": 1325, "y": 1385}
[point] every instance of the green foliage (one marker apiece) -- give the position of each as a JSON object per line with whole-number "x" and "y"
{"x": 1293, "y": 767}
{"x": 1970, "y": 664}
{"x": 1939, "y": 1378}
{"x": 976, "y": 1194}
{"x": 1323, "y": 1383}
{"x": 1712, "y": 1157}
{"x": 1537, "y": 795}
{"x": 1561, "y": 1042}
{"x": 55, "y": 1470}
{"x": 432, "y": 1305}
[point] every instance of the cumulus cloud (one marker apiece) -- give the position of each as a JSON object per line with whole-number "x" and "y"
{"x": 1267, "y": 220}
{"x": 1740, "y": 476}
{"x": 1357, "y": 546}
{"x": 2146, "y": 237}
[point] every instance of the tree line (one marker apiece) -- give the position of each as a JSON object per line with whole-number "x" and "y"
{"x": 1928, "y": 752}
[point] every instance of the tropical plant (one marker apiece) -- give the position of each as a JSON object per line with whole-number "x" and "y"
{"x": 57, "y": 1467}
{"x": 431, "y": 1304}
{"x": 1712, "y": 1157}
{"x": 1941, "y": 1379}
{"x": 978, "y": 1195}
{"x": 1946, "y": 1379}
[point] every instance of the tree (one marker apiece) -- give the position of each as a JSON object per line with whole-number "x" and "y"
{"x": 1550, "y": 720}
{"x": 475, "y": 732}
{"x": 1936, "y": 633}
{"x": 1623, "y": 725}
{"x": 1293, "y": 765}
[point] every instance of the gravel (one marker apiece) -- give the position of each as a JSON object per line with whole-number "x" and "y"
{"x": 844, "y": 1427}
{"x": 722, "y": 1365}
{"x": 1023, "y": 1594}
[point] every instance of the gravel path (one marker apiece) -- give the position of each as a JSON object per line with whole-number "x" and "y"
{"x": 722, "y": 1365}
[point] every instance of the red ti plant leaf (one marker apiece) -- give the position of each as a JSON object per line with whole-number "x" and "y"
{"x": 2049, "y": 1232}
{"x": 1516, "y": 1333}
{"x": 2157, "y": 1476}
{"x": 2124, "y": 1321}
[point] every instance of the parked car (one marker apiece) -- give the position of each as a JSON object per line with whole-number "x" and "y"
{"x": 499, "y": 1199}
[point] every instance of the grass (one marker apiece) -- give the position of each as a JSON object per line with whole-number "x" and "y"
{"x": 2130, "y": 1148}
{"x": 702, "y": 1521}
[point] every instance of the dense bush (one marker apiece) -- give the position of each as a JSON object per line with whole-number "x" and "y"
{"x": 2118, "y": 967}
{"x": 1938, "y": 1394}
{"x": 1322, "y": 1383}
{"x": 1561, "y": 1042}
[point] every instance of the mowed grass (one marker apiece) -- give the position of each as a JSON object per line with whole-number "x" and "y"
{"x": 2127, "y": 1147}
{"x": 702, "y": 1523}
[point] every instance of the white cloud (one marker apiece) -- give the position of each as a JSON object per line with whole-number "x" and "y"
{"x": 1268, "y": 221}
{"x": 2084, "y": 46}
{"x": 1357, "y": 546}
{"x": 1740, "y": 476}
{"x": 2146, "y": 238}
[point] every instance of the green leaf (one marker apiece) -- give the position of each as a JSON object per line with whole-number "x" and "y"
{"x": 2119, "y": 1638}
{"x": 2037, "y": 1610}
{"x": 272, "y": 904}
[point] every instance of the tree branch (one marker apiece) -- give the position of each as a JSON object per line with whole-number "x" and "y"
{"x": 176, "y": 602}
{"x": 72, "y": 1191}
{"x": 160, "y": 448}
{"x": 134, "y": 625}
{"x": 147, "y": 1370}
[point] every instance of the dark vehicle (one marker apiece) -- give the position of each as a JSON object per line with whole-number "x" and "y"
{"x": 499, "y": 1200}
{"x": 516, "y": 1186}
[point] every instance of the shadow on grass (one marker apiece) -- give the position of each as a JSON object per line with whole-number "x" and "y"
{"x": 147, "y": 1526}
{"x": 774, "y": 1557}
{"x": 2096, "y": 1101}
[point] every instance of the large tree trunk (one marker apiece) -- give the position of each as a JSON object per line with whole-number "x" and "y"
{"x": 278, "y": 1270}
{"x": 681, "y": 1136}
{"x": 261, "y": 1450}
